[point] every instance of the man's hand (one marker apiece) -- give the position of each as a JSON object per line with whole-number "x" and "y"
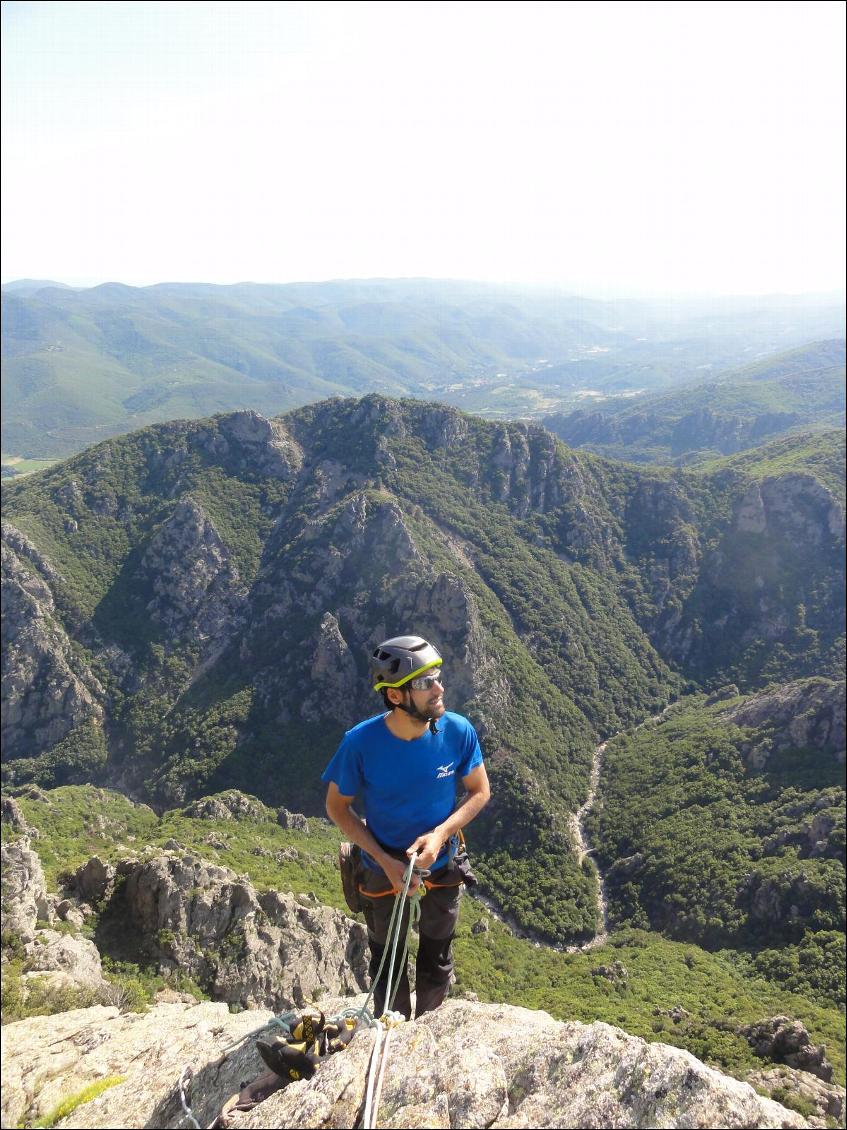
{"x": 428, "y": 847}
{"x": 395, "y": 869}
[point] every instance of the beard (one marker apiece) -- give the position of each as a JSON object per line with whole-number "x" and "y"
{"x": 427, "y": 711}
{"x": 434, "y": 708}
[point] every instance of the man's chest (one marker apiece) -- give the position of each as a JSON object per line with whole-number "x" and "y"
{"x": 432, "y": 768}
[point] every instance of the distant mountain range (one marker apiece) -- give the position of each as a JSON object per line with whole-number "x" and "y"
{"x": 737, "y": 410}
{"x": 80, "y": 365}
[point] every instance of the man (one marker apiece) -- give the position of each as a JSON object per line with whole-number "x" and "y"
{"x": 405, "y": 764}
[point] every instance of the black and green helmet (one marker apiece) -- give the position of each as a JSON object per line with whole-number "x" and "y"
{"x": 400, "y": 659}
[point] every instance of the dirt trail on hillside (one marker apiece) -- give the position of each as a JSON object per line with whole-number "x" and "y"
{"x": 577, "y": 827}
{"x": 583, "y": 849}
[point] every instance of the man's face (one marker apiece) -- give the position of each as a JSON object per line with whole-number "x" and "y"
{"x": 430, "y": 702}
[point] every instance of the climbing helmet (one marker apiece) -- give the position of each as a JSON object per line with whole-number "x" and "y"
{"x": 398, "y": 660}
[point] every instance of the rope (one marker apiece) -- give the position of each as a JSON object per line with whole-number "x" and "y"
{"x": 184, "y": 1085}
{"x": 369, "y": 1089}
{"x": 379, "y": 1055}
{"x": 382, "y": 1066}
{"x": 394, "y": 937}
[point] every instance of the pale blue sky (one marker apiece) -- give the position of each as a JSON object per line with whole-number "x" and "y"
{"x": 654, "y": 147}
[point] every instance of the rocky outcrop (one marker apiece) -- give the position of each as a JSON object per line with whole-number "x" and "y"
{"x": 295, "y": 821}
{"x": 553, "y": 1074}
{"x": 663, "y": 536}
{"x": 531, "y": 472}
{"x": 784, "y": 1040}
{"x": 332, "y": 671}
{"x": 465, "y": 1065}
{"x": 197, "y": 588}
{"x": 773, "y": 580}
{"x": 47, "y": 690}
{"x": 24, "y": 896}
{"x": 93, "y": 882}
{"x": 248, "y": 441}
{"x": 232, "y": 805}
{"x": 48, "y": 1059}
{"x": 270, "y": 950}
{"x": 808, "y": 714}
{"x": 825, "y": 1099}
{"x": 794, "y": 506}
{"x": 13, "y": 818}
{"x": 446, "y": 609}
{"x": 75, "y": 959}
{"x": 63, "y": 960}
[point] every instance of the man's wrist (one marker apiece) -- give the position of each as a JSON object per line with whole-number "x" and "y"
{"x": 382, "y": 857}
{"x": 443, "y": 832}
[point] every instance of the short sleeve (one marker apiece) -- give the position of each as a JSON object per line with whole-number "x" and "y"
{"x": 345, "y": 769}
{"x": 471, "y": 752}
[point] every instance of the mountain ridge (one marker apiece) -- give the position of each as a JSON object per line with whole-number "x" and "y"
{"x": 163, "y": 587}
{"x": 724, "y": 414}
{"x": 81, "y": 363}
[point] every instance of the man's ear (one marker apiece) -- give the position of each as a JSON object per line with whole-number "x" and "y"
{"x": 395, "y": 696}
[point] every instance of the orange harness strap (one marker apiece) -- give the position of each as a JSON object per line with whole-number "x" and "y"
{"x": 430, "y": 886}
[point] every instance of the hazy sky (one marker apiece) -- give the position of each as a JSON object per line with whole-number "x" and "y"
{"x": 659, "y": 147}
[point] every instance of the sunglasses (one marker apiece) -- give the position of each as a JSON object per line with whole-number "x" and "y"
{"x": 427, "y": 681}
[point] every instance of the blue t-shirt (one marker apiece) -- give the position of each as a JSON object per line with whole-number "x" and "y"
{"x": 406, "y": 788}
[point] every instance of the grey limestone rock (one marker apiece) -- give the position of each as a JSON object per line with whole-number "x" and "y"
{"x": 808, "y": 713}
{"x": 332, "y": 673}
{"x": 826, "y": 1098}
{"x": 478, "y": 1065}
{"x": 251, "y": 440}
{"x": 11, "y": 815}
{"x": 464, "y": 1065}
{"x": 76, "y": 957}
{"x": 24, "y": 896}
{"x": 784, "y": 1040}
{"x": 93, "y": 881}
{"x": 295, "y": 821}
{"x": 48, "y": 1058}
{"x": 232, "y": 805}
{"x": 252, "y": 950}
{"x": 47, "y": 690}
{"x": 197, "y": 587}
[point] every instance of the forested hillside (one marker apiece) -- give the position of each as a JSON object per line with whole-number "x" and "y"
{"x": 83, "y": 364}
{"x": 702, "y": 420}
{"x": 722, "y": 823}
{"x": 190, "y": 608}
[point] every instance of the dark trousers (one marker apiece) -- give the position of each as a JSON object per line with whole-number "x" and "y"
{"x": 434, "y": 966}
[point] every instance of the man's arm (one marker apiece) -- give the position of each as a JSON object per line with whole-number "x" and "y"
{"x": 354, "y": 828}
{"x": 429, "y": 845}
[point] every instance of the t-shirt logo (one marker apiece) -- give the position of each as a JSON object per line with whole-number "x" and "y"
{"x": 445, "y": 771}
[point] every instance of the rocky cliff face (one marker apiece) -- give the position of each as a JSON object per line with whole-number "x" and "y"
{"x": 197, "y": 590}
{"x": 801, "y": 715}
{"x": 24, "y": 893}
{"x": 781, "y": 553}
{"x": 47, "y": 690}
{"x": 254, "y": 950}
{"x": 654, "y": 436}
{"x": 465, "y": 1065}
{"x": 251, "y": 949}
